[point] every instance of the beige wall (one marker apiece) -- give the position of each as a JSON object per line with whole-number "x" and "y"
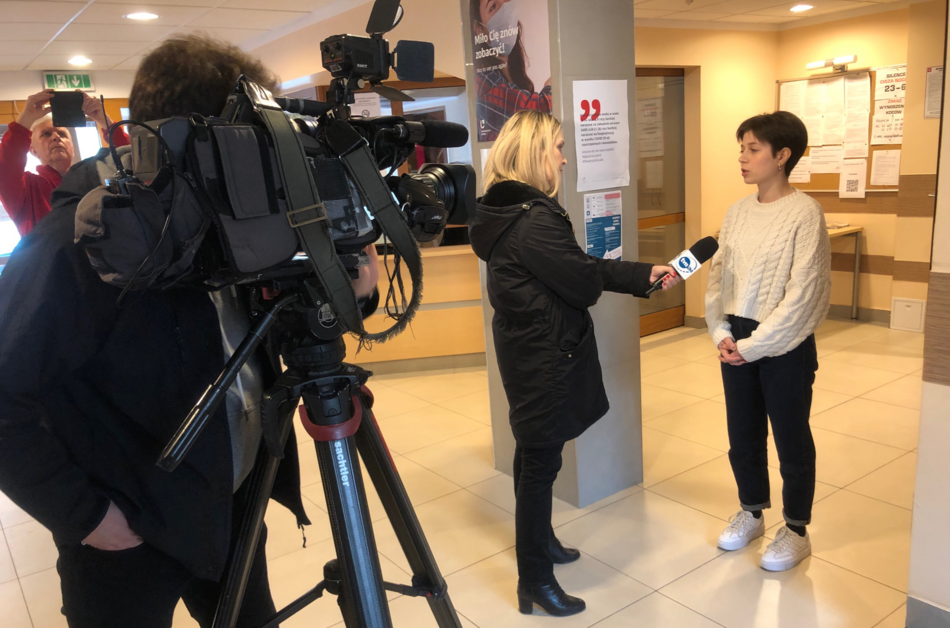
{"x": 925, "y": 46}
{"x": 438, "y": 21}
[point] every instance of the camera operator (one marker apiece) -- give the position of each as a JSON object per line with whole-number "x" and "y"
{"x": 540, "y": 284}
{"x": 90, "y": 392}
{"x": 25, "y": 195}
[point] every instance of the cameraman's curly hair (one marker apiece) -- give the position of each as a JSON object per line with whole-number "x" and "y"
{"x": 192, "y": 74}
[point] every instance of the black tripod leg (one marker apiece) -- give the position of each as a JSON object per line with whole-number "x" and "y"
{"x": 362, "y": 596}
{"x": 382, "y": 471}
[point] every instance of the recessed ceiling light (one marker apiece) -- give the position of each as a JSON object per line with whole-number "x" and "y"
{"x": 798, "y": 8}
{"x": 80, "y": 61}
{"x": 141, "y": 16}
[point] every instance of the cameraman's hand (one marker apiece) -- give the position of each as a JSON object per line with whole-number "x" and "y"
{"x": 37, "y": 106}
{"x": 113, "y": 532}
{"x": 92, "y": 107}
{"x": 369, "y": 274}
{"x": 671, "y": 277}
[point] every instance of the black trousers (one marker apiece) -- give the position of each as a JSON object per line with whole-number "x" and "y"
{"x": 535, "y": 470}
{"x": 779, "y": 389}
{"x": 140, "y": 587}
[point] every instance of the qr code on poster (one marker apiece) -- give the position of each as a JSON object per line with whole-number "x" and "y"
{"x": 851, "y": 185}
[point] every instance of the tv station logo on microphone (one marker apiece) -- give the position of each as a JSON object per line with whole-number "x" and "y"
{"x": 686, "y": 264}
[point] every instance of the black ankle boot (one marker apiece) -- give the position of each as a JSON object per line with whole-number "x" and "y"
{"x": 561, "y": 555}
{"x": 551, "y": 598}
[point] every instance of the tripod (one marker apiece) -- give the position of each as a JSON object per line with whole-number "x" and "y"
{"x": 337, "y": 413}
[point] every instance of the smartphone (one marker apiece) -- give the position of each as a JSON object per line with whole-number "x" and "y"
{"x": 67, "y": 109}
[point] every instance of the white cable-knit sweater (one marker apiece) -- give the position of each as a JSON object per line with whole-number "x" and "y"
{"x": 773, "y": 266}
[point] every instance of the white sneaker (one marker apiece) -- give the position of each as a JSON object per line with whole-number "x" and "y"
{"x": 787, "y": 550}
{"x": 743, "y": 529}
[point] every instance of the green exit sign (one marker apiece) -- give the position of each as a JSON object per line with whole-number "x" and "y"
{"x": 66, "y": 81}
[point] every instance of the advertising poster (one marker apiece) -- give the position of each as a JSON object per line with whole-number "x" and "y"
{"x": 603, "y": 222}
{"x": 512, "y": 60}
{"x": 601, "y": 134}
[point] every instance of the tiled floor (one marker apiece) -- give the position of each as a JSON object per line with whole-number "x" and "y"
{"x": 649, "y": 553}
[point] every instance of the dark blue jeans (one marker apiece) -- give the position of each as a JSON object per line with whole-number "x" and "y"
{"x": 777, "y": 389}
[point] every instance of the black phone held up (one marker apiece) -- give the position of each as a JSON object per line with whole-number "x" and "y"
{"x": 67, "y": 109}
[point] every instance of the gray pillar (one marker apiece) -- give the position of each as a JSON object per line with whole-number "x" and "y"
{"x": 589, "y": 40}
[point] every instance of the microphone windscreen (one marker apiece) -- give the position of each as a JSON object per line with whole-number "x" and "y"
{"x": 441, "y": 134}
{"x": 704, "y": 249}
{"x": 313, "y": 108}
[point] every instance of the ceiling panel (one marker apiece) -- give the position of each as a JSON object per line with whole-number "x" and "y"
{"x": 675, "y": 6}
{"x": 61, "y": 62}
{"x": 39, "y": 12}
{"x": 132, "y": 32}
{"x": 232, "y": 35}
{"x": 87, "y": 48}
{"x": 246, "y": 18}
{"x": 113, "y": 14}
{"x": 26, "y": 32}
{"x": 8, "y": 47}
{"x": 649, "y": 13}
{"x": 745, "y": 19}
{"x": 702, "y": 16}
{"x": 278, "y": 5}
{"x": 132, "y": 63}
{"x": 14, "y": 63}
{"x": 191, "y": 3}
{"x": 783, "y": 10}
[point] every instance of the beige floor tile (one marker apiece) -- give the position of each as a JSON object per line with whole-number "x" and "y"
{"x": 663, "y": 335}
{"x": 309, "y": 466}
{"x": 872, "y": 420}
{"x": 719, "y": 398}
{"x": 905, "y": 391}
{"x": 463, "y": 460}
{"x": 887, "y": 357}
{"x": 409, "y": 612}
{"x": 439, "y": 388}
{"x": 851, "y": 379}
{"x": 703, "y": 423}
{"x": 182, "y": 618}
{"x": 474, "y": 406}
{"x": 656, "y": 401}
{"x": 13, "y": 606}
{"x": 461, "y": 529}
{"x": 11, "y": 514}
{"x": 665, "y": 456}
{"x": 648, "y": 537}
{"x": 657, "y": 610}
{"x": 711, "y": 488}
{"x": 895, "y": 619}
{"x": 283, "y": 536}
{"x": 863, "y": 535}
{"x": 652, "y": 363}
{"x": 32, "y": 548}
{"x": 44, "y": 598}
{"x": 892, "y": 483}
{"x": 838, "y": 338}
{"x": 420, "y": 428}
{"x": 421, "y": 484}
{"x": 389, "y": 402}
{"x": 690, "y": 349}
{"x": 7, "y": 571}
{"x": 294, "y": 574}
{"x": 486, "y": 592}
{"x": 843, "y": 459}
{"x": 913, "y": 340}
{"x": 697, "y": 379}
{"x": 735, "y": 592}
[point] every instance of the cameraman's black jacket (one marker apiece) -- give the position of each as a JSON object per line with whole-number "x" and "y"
{"x": 90, "y": 393}
{"x": 540, "y": 284}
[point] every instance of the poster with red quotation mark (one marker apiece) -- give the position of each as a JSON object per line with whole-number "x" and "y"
{"x": 601, "y": 134}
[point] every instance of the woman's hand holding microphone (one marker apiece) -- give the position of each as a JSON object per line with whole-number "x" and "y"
{"x": 669, "y": 276}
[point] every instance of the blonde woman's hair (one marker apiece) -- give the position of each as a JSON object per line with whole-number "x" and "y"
{"x": 524, "y": 146}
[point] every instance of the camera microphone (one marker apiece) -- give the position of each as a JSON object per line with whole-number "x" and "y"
{"x": 688, "y": 262}
{"x": 435, "y": 133}
{"x": 313, "y": 108}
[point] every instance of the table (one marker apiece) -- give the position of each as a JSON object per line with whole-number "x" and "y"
{"x": 855, "y": 231}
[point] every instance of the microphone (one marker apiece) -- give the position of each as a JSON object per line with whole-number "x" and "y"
{"x": 435, "y": 133}
{"x": 313, "y": 108}
{"x": 688, "y": 262}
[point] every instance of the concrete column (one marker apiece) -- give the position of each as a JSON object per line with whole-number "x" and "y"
{"x": 588, "y": 41}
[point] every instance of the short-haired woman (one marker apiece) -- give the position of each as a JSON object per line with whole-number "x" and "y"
{"x": 769, "y": 289}
{"x": 540, "y": 284}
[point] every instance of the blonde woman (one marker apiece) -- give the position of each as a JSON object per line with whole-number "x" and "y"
{"x": 540, "y": 284}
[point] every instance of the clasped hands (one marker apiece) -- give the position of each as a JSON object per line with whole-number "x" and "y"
{"x": 729, "y": 353}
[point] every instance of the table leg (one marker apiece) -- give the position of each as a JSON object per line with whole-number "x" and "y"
{"x": 857, "y": 275}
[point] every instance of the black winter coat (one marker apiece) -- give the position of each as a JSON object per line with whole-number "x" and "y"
{"x": 540, "y": 284}
{"x": 90, "y": 393}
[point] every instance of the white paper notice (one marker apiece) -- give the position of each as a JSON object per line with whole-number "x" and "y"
{"x": 813, "y": 126}
{"x": 802, "y": 171}
{"x": 832, "y": 128}
{"x": 888, "y": 121}
{"x": 650, "y": 127}
{"x": 854, "y": 150}
{"x": 934, "y": 91}
{"x": 854, "y": 174}
{"x": 602, "y": 139}
{"x": 814, "y": 98}
{"x": 856, "y": 125}
{"x": 890, "y": 82}
{"x": 857, "y": 92}
{"x": 826, "y": 159}
{"x": 654, "y": 174}
{"x": 367, "y": 105}
{"x": 792, "y": 97}
{"x": 834, "y": 96}
{"x": 886, "y": 167}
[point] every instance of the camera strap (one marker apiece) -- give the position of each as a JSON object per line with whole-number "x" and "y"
{"x": 364, "y": 173}
{"x": 308, "y": 218}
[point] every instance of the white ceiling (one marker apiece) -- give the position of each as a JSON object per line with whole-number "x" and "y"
{"x": 45, "y": 34}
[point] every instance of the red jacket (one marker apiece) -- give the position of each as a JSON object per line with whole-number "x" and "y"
{"x": 25, "y": 196}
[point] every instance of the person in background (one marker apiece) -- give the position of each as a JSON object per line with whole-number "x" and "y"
{"x": 541, "y": 284}
{"x": 769, "y": 290}
{"x": 25, "y": 195}
{"x": 502, "y": 81}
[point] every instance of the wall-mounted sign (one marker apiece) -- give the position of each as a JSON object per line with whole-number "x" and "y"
{"x": 62, "y": 81}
